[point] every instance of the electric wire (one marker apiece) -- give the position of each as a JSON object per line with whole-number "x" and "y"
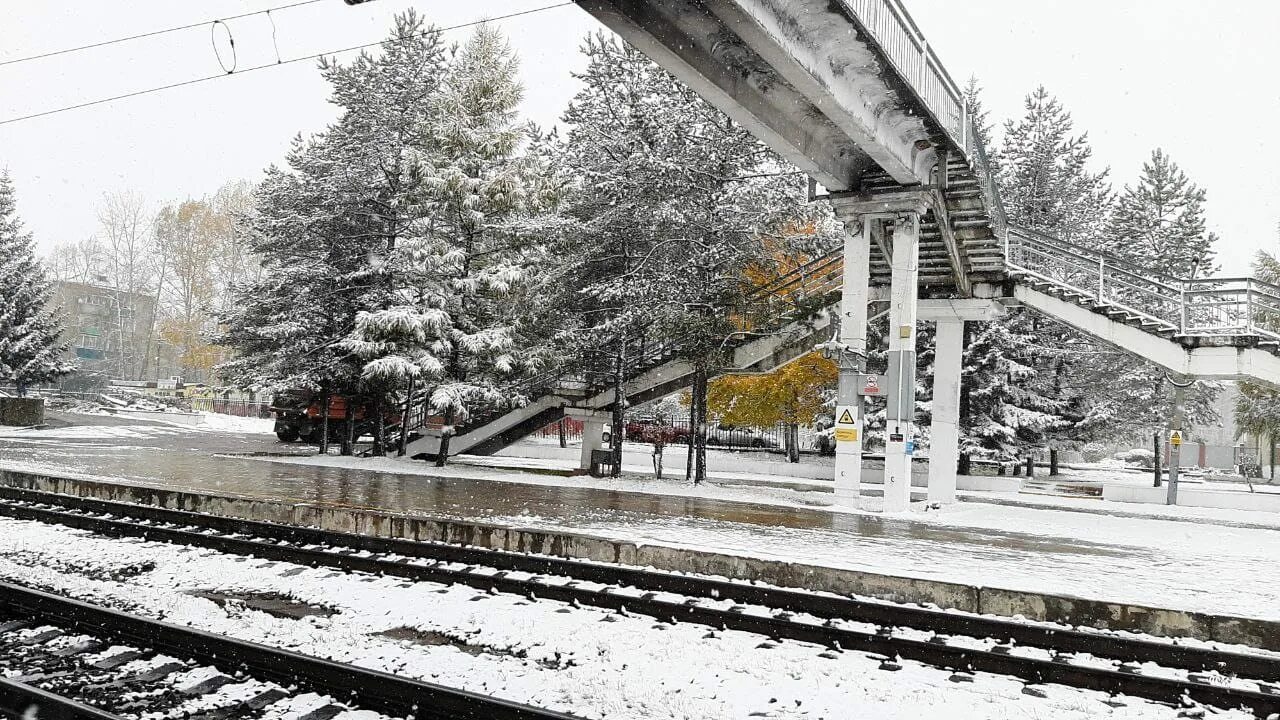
{"x": 152, "y": 33}
{"x": 278, "y": 63}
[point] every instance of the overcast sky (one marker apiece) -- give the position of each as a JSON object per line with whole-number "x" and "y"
{"x": 1191, "y": 77}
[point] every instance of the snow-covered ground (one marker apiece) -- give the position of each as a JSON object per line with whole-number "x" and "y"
{"x": 154, "y": 424}
{"x": 582, "y": 660}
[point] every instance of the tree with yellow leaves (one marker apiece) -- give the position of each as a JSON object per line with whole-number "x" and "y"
{"x": 793, "y": 394}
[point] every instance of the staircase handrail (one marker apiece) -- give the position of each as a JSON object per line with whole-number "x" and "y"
{"x": 888, "y": 26}
{"x": 981, "y": 162}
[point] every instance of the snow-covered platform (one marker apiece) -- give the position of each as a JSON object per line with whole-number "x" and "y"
{"x": 1201, "y": 572}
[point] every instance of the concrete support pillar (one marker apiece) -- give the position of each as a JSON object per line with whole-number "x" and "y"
{"x": 853, "y": 339}
{"x": 592, "y": 432}
{"x": 944, "y": 432}
{"x": 594, "y": 423}
{"x": 902, "y": 361}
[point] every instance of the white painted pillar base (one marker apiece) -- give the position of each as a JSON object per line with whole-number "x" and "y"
{"x": 902, "y": 359}
{"x": 853, "y": 338}
{"x": 944, "y": 433}
{"x": 594, "y": 423}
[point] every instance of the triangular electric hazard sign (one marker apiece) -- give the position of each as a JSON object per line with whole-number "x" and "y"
{"x": 846, "y": 418}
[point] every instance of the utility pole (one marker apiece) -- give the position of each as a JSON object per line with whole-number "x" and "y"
{"x": 1176, "y": 437}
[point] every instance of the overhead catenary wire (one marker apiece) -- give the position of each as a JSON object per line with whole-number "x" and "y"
{"x": 278, "y": 63}
{"x": 152, "y": 33}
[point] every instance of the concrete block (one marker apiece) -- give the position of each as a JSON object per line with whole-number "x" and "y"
{"x": 22, "y": 412}
{"x": 1096, "y": 613}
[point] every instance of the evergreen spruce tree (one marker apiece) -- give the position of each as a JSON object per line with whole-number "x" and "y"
{"x": 471, "y": 270}
{"x": 30, "y": 351}
{"x": 1016, "y": 392}
{"x": 325, "y": 226}
{"x": 676, "y": 200}
{"x": 981, "y": 117}
{"x": 1045, "y": 180}
{"x": 1158, "y": 224}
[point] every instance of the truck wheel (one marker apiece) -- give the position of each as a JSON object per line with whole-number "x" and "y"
{"x": 289, "y": 434}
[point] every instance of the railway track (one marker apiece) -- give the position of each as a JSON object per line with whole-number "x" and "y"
{"x": 1162, "y": 671}
{"x": 72, "y": 660}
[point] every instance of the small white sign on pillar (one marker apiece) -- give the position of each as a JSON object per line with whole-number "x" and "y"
{"x": 846, "y": 424}
{"x": 871, "y": 385}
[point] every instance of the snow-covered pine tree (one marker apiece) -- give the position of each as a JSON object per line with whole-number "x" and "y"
{"x": 462, "y": 294}
{"x": 286, "y": 324}
{"x": 981, "y": 120}
{"x": 676, "y": 202}
{"x": 1257, "y": 408}
{"x": 1015, "y": 393}
{"x": 1045, "y": 180}
{"x": 326, "y": 226}
{"x": 30, "y": 351}
{"x": 1157, "y": 225}
{"x": 612, "y": 293}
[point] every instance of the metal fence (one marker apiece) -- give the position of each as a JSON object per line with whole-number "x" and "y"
{"x": 238, "y": 408}
{"x": 678, "y": 431}
{"x": 1184, "y": 306}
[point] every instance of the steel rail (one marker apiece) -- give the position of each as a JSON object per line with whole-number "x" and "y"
{"x": 369, "y": 689}
{"x": 19, "y": 700}
{"x": 781, "y": 602}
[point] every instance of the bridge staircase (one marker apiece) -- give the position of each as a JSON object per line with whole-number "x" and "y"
{"x": 781, "y": 321}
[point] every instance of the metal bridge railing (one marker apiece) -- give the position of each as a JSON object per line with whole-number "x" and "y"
{"x": 1201, "y": 307}
{"x": 891, "y": 27}
{"x": 1206, "y": 307}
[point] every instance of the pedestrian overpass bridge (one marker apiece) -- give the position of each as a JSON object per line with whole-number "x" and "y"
{"x": 850, "y": 92}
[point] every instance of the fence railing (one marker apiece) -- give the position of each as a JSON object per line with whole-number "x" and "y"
{"x": 892, "y": 29}
{"x": 1228, "y": 306}
{"x": 238, "y": 408}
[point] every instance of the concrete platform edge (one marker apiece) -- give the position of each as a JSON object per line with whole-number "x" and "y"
{"x": 959, "y": 596}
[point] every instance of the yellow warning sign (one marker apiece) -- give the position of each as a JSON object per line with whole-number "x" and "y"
{"x": 846, "y": 418}
{"x": 846, "y": 435}
{"x": 1175, "y": 438}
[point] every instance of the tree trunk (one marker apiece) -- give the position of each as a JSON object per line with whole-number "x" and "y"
{"x": 324, "y": 421}
{"x": 700, "y": 426}
{"x": 657, "y": 460}
{"x": 404, "y": 421}
{"x": 349, "y": 431}
{"x": 689, "y": 441}
{"x": 446, "y": 434}
{"x": 560, "y": 426}
{"x": 619, "y": 408}
{"x": 793, "y": 441}
{"x": 151, "y": 328}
